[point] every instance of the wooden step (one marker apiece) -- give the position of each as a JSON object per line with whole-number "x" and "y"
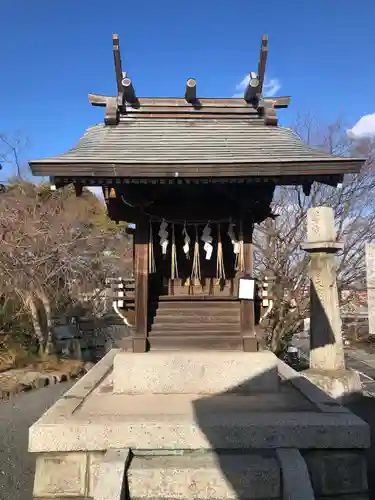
{"x": 197, "y": 313}
{"x": 196, "y": 298}
{"x": 200, "y": 342}
{"x": 174, "y": 317}
{"x": 194, "y": 305}
{"x": 200, "y": 330}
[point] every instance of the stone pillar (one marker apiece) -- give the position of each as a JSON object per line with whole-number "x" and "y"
{"x": 370, "y": 275}
{"x": 327, "y": 363}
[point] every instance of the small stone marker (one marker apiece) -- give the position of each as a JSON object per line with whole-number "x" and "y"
{"x": 327, "y": 361}
{"x": 320, "y": 225}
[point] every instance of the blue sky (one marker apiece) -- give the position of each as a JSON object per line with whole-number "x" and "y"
{"x": 54, "y": 53}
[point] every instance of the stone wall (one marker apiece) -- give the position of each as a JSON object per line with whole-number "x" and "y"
{"x": 91, "y": 339}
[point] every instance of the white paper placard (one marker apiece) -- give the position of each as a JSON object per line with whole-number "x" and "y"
{"x": 246, "y": 289}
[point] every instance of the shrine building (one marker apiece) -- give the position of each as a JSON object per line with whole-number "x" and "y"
{"x": 194, "y": 175}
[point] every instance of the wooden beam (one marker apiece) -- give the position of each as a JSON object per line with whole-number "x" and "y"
{"x": 128, "y": 91}
{"x": 269, "y": 114}
{"x": 141, "y": 243}
{"x": 191, "y": 90}
{"x": 251, "y": 90}
{"x": 78, "y": 187}
{"x": 230, "y": 102}
{"x": 279, "y": 170}
{"x": 117, "y": 61}
{"x": 262, "y": 62}
{"x": 111, "y": 112}
{"x": 247, "y": 312}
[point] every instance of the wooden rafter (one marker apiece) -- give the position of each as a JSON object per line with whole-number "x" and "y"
{"x": 117, "y": 61}
{"x": 262, "y": 63}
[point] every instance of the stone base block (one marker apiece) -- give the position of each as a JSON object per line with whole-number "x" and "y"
{"x": 337, "y": 472}
{"x": 59, "y": 475}
{"x": 341, "y": 385}
{"x": 202, "y": 474}
{"x": 205, "y": 476}
{"x": 195, "y": 372}
{"x": 241, "y": 445}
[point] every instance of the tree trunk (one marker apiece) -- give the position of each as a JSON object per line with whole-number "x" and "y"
{"x": 38, "y": 330}
{"x": 49, "y": 349}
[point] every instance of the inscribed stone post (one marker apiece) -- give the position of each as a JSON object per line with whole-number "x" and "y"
{"x": 326, "y": 345}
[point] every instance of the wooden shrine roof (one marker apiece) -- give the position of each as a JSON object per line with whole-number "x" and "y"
{"x": 211, "y": 146}
{"x": 191, "y": 137}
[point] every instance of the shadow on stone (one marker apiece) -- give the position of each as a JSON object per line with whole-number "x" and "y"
{"x": 246, "y": 446}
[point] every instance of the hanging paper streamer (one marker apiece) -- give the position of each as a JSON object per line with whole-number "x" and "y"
{"x": 240, "y": 261}
{"x": 174, "y": 267}
{"x": 220, "y": 271}
{"x": 151, "y": 254}
{"x": 207, "y": 239}
{"x": 232, "y": 236}
{"x": 196, "y": 269}
{"x": 163, "y": 234}
{"x": 187, "y": 240}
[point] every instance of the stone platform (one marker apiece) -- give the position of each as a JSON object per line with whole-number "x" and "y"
{"x": 197, "y": 425}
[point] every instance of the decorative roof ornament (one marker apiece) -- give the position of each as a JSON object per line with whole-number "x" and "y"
{"x": 127, "y": 103}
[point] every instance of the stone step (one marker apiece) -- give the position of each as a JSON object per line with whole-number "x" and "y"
{"x": 205, "y": 476}
{"x": 195, "y": 372}
{"x": 181, "y": 341}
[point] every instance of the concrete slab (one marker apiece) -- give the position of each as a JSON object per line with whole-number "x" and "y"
{"x": 195, "y": 372}
{"x": 100, "y": 421}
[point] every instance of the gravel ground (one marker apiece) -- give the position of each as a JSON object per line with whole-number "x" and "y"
{"x": 16, "y": 416}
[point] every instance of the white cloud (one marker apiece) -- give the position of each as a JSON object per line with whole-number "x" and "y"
{"x": 270, "y": 87}
{"x": 365, "y": 127}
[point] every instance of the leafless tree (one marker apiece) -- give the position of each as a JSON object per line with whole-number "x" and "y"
{"x": 11, "y": 148}
{"x": 52, "y": 250}
{"x": 278, "y": 242}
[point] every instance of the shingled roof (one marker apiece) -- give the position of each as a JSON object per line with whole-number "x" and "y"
{"x": 191, "y": 137}
{"x": 191, "y": 146}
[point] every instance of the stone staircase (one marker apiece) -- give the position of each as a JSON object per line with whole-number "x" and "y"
{"x": 195, "y": 324}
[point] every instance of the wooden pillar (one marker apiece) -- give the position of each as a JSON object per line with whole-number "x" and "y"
{"x": 247, "y": 313}
{"x": 141, "y": 241}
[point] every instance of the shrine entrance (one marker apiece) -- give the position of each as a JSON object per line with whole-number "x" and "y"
{"x": 195, "y": 175}
{"x": 201, "y": 260}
